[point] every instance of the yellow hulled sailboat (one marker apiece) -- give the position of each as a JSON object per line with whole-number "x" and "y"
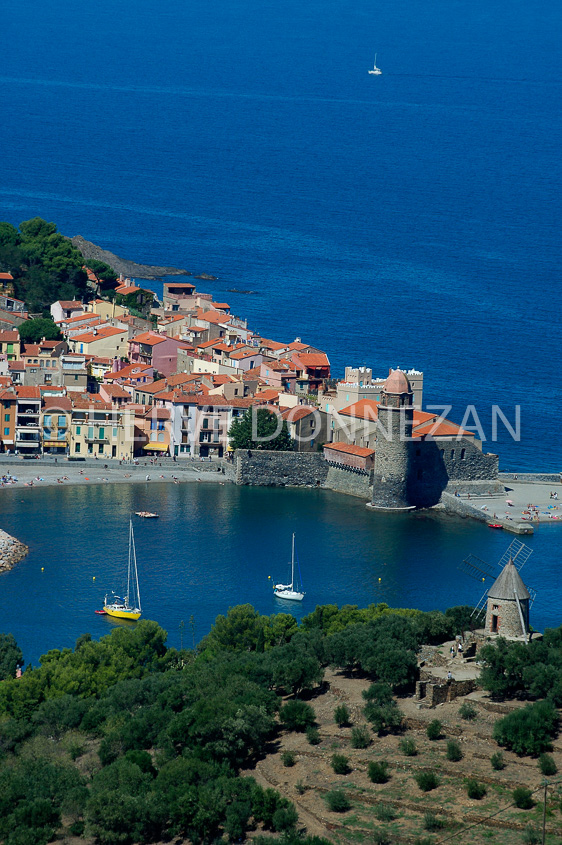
{"x": 128, "y": 607}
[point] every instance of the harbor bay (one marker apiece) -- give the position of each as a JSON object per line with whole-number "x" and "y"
{"x": 214, "y": 546}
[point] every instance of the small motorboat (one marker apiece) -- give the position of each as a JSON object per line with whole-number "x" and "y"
{"x": 100, "y": 612}
{"x": 495, "y": 525}
{"x": 146, "y": 514}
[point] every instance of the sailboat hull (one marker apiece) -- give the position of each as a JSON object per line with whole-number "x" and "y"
{"x": 290, "y": 595}
{"x": 122, "y": 612}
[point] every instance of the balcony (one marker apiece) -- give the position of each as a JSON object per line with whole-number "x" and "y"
{"x": 26, "y": 439}
{"x": 96, "y": 438}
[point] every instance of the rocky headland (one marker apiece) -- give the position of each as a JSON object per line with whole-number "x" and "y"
{"x": 121, "y": 265}
{"x": 11, "y": 551}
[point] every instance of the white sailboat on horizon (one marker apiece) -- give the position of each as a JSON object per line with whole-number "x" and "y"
{"x": 288, "y": 591}
{"x": 376, "y": 71}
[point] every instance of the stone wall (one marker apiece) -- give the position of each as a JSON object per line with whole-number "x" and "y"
{"x": 432, "y": 694}
{"x": 280, "y": 469}
{"x": 532, "y": 477}
{"x": 434, "y": 464}
{"x": 11, "y": 551}
{"x": 352, "y": 482}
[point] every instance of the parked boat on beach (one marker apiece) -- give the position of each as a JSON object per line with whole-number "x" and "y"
{"x": 128, "y": 607}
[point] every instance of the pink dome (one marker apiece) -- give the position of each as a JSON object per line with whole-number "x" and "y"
{"x": 397, "y": 383}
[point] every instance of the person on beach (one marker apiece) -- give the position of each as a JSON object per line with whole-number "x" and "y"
{"x": 459, "y": 649}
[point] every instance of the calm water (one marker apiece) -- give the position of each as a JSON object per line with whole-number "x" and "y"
{"x": 214, "y": 547}
{"x": 410, "y": 219}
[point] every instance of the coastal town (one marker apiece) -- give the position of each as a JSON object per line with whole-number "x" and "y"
{"x": 136, "y": 381}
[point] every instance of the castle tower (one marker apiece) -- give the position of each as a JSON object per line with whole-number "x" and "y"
{"x": 507, "y": 608}
{"x": 393, "y": 446}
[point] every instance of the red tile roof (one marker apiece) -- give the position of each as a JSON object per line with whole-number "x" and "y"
{"x": 70, "y": 304}
{"x": 297, "y": 413}
{"x": 27, "y": 392}
{"x": 101, "y": 334}
{"x": 57, "y": 403}
{"x": 360, "y": 451}
{"x": 9, "y": 336}
{"x": 442, "y": 429}
{"x": 7, "y": 276}
{"x": 314, "y": 359}
{"x": 149, "y": 338}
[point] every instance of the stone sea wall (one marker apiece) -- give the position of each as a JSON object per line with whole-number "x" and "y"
{"x": 280, "y": 469}
{"x": 11, "y": 551}
{"x": 349, "y": 481}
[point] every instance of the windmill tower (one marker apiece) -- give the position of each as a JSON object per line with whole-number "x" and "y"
{"x": 508, "y": 601}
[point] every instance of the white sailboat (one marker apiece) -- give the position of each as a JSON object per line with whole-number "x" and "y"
{"x": 128, "y": 607}
{"x": 376, "y": 70}
{"x": 289, "y": 591}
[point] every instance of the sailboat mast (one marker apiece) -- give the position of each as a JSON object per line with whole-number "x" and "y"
{"x": 129, "y": 566}
{"x": 293, "y": 564}
{"x": 136, "y": 572}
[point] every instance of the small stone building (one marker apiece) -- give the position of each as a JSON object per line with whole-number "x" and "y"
{"x": 507, "y": 608}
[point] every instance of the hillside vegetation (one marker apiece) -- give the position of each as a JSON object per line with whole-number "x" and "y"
{"x": 125, "y": 740}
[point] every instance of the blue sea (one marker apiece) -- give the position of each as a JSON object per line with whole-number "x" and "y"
{"x": 410, "y": 219}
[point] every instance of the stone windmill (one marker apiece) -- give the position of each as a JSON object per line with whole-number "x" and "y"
{"x": 508, "y": 601}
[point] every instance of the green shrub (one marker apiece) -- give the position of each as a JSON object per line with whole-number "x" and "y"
{"x": 498, "y": 761}
{"x": 454, "y": 751}
{"x": 288, "y": 758}
{"x": 337, "y": 801}
{"x": 475, "y": 790}
{"x": 360, "y": 737}
{"x": 340, "y": 764}
{"x": 385, "y": 813}
{"x": 301, "y": 787}
{"x": 547, "y": 765}
{"x": 434, "y": 729}
{"x": 408, "y": 747}
{"x": 529, "y": 730}
{"x": 341, "y": 716}
{"x": 381, "y": 837}
{"x": 523, "y": 798}
{"x": 378, "y": 771}
{"x": 531, "y": 836}
{"x": 468, "y": 711}
{"x": 297, "y": 715}
{"x": 77, "y": 828}
{"x": 313, "y": 735}
{"x": 432, "y": 822}
{"x": 426, "y": 781}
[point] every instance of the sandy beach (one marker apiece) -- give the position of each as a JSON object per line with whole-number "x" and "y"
{"x": 524, "y": 501}
{"x": 41, "y": 473}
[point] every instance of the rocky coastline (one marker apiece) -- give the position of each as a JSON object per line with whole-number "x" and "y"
{"x": 11, "y": 551}
{"x": 122, "y": 265}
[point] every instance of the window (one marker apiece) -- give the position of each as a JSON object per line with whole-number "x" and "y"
{"x": 452, "y": 454}
{"x": 47, "y": 420}
{"x": 6, "y": 418}
{"x": 102, "y": 435}
{"x": 62, "y": 421}
{"x": 6, "y": 432}
{"x": 463, "y": 453}
{"x": 78, "y": 429}
{"x": 205, "y": 423}
{"x": 90, "y": 449}
{"x": 115, "y": 432}
{"x": 75, "y": 378}
{"x": 77, "y": 448}
{"x": 90, "y": 432}
{"x": 100, "y": 450}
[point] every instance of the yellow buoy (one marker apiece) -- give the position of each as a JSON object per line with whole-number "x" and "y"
{"x": 94, "y": 578}
{"x": 42, "y": 569}
{"x": 380, "y": 579}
